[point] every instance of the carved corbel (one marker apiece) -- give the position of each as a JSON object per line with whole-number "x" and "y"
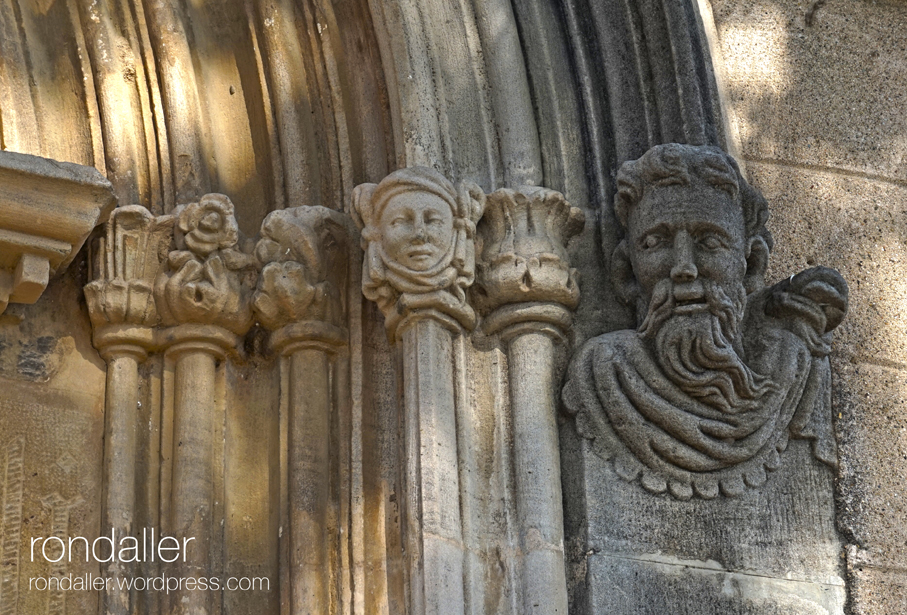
{"x": 47, "y": 210}
{"x": 721, "y": 372}
{"x": 300, "y": 298}
{"x": 527, "y": 291}
{"x": 418, "y": 236}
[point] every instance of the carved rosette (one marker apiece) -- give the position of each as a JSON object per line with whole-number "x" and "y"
{"x": 524, "y": 274}
{"x": 303, "y": 251}
{"x": 418, "y": 233}
{"x": 208, "y": 279}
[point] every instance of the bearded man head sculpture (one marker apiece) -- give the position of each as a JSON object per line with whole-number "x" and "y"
{"x": 702, "y": 398}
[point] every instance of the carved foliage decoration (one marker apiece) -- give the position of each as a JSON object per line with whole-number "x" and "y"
{"x": 304, "y": 255}
{"x": 193, "y": 267}
{"x": 703, "y": 397}
{"x": 128, "y": 258}
{"x": 208, "y": 278}
{"x": 418, "y": 234}
{"x": 523, "y": 236}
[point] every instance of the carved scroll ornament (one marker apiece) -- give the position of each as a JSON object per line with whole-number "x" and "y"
{"x": 703, "y": 397}
{"x": 418, "y": 235}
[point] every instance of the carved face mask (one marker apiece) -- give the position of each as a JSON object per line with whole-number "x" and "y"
{"x": 417, "y": 230}
{"x": 687, "y": 234}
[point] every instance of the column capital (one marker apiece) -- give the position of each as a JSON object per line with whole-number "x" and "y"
{"x": 208, "y": 278}
{"x": 523, "y": 272}
{"x": 418, "y": 233}
{"x": 125, "y": 261}
{"x": 300, "y": 294}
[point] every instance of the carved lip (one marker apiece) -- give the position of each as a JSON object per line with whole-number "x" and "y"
{"x": 691, "y": 307}
{"x": 690, "y": 299}
{"x": 420, "y": 252}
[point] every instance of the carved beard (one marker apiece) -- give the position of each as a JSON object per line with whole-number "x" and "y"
{"x": 696, "y": 351}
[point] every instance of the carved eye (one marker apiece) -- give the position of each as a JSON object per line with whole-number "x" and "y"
{"x": 398, "y": 221}
{"x": 432, "y": 217}
{"x": 650, "y": 242}
{"x": 710, "y": 242}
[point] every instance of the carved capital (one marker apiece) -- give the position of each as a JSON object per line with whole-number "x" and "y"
{"x": 299, "y": 295}
{"x": 523, "y": 274}
{"x": 125, "y": 262}
{"x": 703, "y": 397}
{"x": 418, "y": 233}
{"x": 207, "y": 279}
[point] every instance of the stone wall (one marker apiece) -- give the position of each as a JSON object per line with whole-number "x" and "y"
{"x": 288, "y": 103}
{"x": 817, "y": 95}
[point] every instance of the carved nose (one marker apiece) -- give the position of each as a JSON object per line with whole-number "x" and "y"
{"x": 684, "y": 269}
{"x": 421, "y": 233}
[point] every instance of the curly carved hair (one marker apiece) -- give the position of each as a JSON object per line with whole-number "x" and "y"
{"x": 677, "y": 164}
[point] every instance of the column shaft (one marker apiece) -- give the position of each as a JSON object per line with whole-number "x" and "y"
{"x": 434, "y": 534}
{"x": 192, "y": 491}
{"x": 538, "y": 474}
{"x": 310, "y": 404}
{"x": 119, "y": 466}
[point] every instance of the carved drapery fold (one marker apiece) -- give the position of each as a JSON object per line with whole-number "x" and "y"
{"x": 704, "y": 396}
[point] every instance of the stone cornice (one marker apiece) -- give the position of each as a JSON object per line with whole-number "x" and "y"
{"x": 47, "y": 210}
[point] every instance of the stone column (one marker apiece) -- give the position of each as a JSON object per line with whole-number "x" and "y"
{"x": 205, "y": 300}
{"x": 122, "y": 311}
{"x": 299, "y": 297}
{"x": 417, "y": 232}
{"x": 528, "y": 291}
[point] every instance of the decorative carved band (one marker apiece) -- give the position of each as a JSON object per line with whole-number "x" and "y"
{"x": 47, "y": 210}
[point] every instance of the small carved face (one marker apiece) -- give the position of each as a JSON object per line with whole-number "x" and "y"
{"x": 417, "y": 230}
{"x": 687, "y": 234}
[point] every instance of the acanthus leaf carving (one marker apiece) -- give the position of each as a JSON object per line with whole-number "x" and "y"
{"x": 418, "y": 234}
{"x": 704, "y": 396}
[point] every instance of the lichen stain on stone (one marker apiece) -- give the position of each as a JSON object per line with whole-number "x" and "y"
{"x": 35, "y": 359}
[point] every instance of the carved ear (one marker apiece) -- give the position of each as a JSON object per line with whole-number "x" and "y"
{"x": 756, "y": 264}
{"x": 622, "y": 277}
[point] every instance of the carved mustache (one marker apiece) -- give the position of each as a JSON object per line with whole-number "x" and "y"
{"x": 669, "y": 299}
